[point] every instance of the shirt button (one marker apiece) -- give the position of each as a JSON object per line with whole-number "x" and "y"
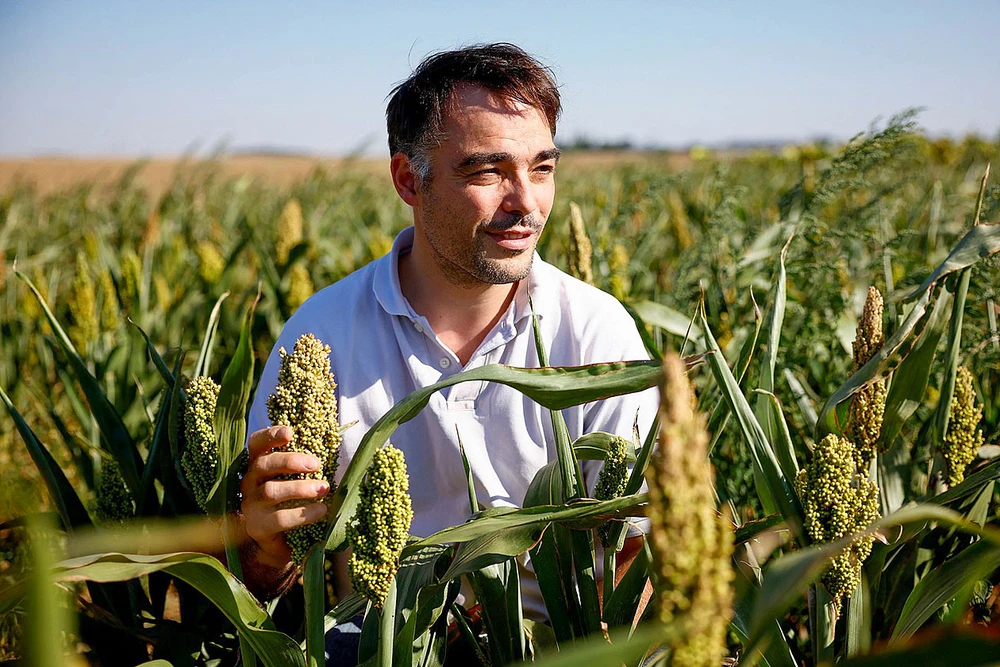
{"x": 445, "y": 362}
{"x": 418, "y": 327}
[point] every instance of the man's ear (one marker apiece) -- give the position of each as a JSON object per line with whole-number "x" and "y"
{"x": 403, "y": 178}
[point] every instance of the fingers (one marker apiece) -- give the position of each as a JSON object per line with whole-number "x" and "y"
{"x": 267, "y": 439}
{"x": 279, "y": 491}
{"x": 265, "y": 526}
{"x": 270, "y": 465}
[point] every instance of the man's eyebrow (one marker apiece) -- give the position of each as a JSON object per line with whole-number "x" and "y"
{"x": 551, "y": 154}
{"x": 480, "y": 159}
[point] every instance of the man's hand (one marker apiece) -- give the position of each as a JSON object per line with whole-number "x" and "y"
{"x": 264, "y": 493}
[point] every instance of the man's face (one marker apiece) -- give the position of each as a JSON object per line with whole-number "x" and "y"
{"x": 492, "y": 180}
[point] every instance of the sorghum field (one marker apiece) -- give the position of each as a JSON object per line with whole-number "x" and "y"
{"x": 828, "y": 494}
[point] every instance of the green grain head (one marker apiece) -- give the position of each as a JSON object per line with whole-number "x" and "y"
{"x": 211, "y": 263}
{"x": 83, "y": 305}
{"x": 304, "y": 400}
{"x": 378, "y": 532}
{"x": 300, "y": 285}
{"x": 838, "y": 502}
{"x": 580, "y": 248}
{"x": 289, "y": 232}
{"x": 868, "y": 404}
{"x": 963, "y": 440}
{"x": 692, "y": 544}
{"x": 114, "y": 502}
{"x": 200, "y": 458}
{"x": 612, "y": 479}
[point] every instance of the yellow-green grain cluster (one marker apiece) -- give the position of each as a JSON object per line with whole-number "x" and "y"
{"x": 131, "y": 279}
{"x": 837, "y": 502}
{"x": 83, "y": 305}
{"x": 692, "y": 544}
{"x": 289, "y": 232}
{"x": 300, "y": 285}
{"x": 200, "y": 458}
{"x": 580, "y": 249}
{"x": 211, "y": 264}
{"x": 378, "y": 532}
{"x": 114, "y": 502}
{"x": 868, "y": 404}
{"x": 304, "y": 400}
{"x": 618, "y": 262}
{"x": 963, "y": 440}
{"x": 109, "y": 301}
{"x": 612, "y": 479}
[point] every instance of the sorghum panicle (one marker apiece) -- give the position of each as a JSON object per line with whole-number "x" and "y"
{"x": 837, "y": 502}
{"x": 692, "y": 544}
{"x": 580, "y": 248}
{"x": 868, "y": 404}
{"x": 378, "y": 532}
{"x": 963, "y": 440}
{"x": 109, "y": 301}
{"x": 300, "y": 285}
{"x": 83, "y": 305}
{"x": 289, "y": 231}
{"x": 200, "y": 458}
{"x": 612, "y": 479}
{"x": 618, "y": 261}
{"x": 114, "y": 502}
{"x": 211, "y": 264}
{"x": 304, "y": 400}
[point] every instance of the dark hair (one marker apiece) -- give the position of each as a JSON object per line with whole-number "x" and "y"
{"x": 415, "y": 114}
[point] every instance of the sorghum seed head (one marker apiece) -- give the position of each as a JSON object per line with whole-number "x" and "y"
{"x": 580, "y": 248}
{"x": 83, "y": 305}
{"x": 838, "y": 502}
{"x": 200, "y": 458}
{"x": 300, "y": 285}
{"x": 868, "y": 403}
{"x": 963, "y": 440}
{"x": 612, "y": 479}
{"x": 210, "y": 262}
{"x": 378, "y": 532}
{"x": 869, "y": 337}
{"x": 114, "y": 502}
{"x": 305, "y": 401}
{"x": 692, "y": 544}
{"x": 289, "y": 231}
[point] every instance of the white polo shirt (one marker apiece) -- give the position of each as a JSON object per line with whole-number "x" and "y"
{"x": 382, "y": 350}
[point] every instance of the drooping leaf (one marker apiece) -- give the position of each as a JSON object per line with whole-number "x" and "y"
{"x": 72, "y": 513}
{"x": 942, "y": 584}
{"x": 211, "y": 579}
{"x": 554, "y": 388}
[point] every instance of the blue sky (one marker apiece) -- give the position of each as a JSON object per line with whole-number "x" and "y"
{"x": 158, "y": 78}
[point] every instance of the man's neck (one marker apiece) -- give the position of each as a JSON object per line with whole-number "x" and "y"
{"x": 461, "y": 314}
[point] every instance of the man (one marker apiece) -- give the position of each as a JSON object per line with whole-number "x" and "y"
{"x": 471, "y": 137}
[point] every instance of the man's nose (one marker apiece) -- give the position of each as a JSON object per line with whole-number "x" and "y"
{"x": 520, "y": 198}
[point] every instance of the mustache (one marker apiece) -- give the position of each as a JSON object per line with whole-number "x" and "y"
{"x": 531, "y": 221}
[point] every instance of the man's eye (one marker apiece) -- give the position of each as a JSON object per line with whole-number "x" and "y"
{"x": 545, "y": 168}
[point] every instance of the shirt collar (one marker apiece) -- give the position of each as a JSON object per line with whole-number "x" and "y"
{"x": 390, "y": 295}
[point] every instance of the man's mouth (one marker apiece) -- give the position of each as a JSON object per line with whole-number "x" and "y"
{"x": 513, "y": 239}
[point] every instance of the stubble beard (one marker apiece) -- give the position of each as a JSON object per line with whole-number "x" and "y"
{"x": 468, "y": 264}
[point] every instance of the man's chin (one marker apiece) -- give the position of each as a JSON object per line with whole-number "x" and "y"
{"x": 504, "y": 271}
